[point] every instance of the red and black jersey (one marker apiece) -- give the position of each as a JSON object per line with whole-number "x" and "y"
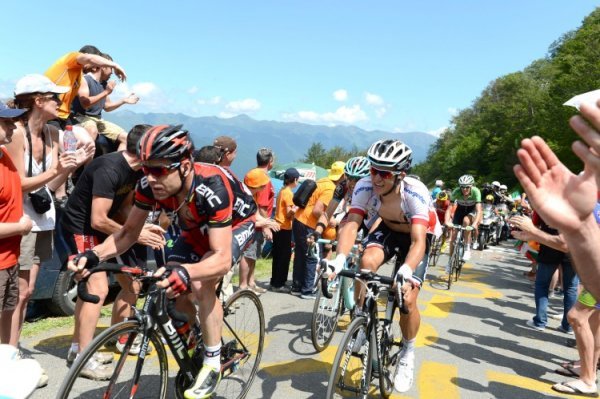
{"x": 244, "y": 207}
{"x": 210, "y": 204}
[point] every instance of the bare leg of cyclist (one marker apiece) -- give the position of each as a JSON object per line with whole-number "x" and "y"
{"x": 87, "y": 314}
{"x": 409, "y": 325}
{"x": 211, "y": 323}
{"x": 126, "y": 298}
{"x": 372, "y": 258}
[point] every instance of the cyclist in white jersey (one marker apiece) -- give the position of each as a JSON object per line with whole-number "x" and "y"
{"x": 400, "y": 205}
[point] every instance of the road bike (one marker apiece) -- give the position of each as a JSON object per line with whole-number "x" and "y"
{"x": 371, "y": 345}
{"x": 328, "y": 310}
{"x": 436, "y": 247}
{"x": 456, "y": 261}
{"x": 145, "y": 374}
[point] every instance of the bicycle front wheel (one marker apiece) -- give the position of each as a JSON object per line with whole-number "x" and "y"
{"x": 351, "y": 370}
{"x": 326, "y": 313}
{"x": 436, "y": 246}
{"x": 243, "y": 338}
{"x": 122, "y": 381}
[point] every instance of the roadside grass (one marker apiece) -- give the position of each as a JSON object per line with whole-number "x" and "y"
{"x": 262, "y": 270}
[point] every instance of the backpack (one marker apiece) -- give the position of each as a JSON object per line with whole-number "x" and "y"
{"x": 304, "y": 192}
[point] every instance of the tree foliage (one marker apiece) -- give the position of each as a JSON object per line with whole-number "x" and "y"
{"x": 318, "y": 155}
{"x": 482, "y": 140}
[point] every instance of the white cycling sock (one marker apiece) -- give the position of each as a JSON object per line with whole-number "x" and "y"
{"x": 408, "y": 347}
{"x": 212, "y": 356}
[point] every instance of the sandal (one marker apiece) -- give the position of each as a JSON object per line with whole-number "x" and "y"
{"x": 576, "y": 387}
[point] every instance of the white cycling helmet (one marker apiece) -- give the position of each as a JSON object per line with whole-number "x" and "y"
{"x": 390, "y": 154}
{"x": 439, "y": 183}
{"x": 503, "y": 187}
{"x": 466, "y": 180}
{"x": 357, "y": 167}
{"x": 496, "y": 184}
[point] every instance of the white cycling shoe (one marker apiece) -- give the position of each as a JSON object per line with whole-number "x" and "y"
{"x": 405, "y": 371}
{"x": 467, "y": 254}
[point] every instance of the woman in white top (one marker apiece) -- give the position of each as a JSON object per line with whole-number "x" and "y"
{"x": 34, "y": 149}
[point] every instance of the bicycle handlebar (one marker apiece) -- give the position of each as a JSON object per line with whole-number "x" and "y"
{"x": 82, "y": 291}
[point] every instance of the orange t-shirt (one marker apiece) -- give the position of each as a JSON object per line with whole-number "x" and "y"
{"x": 323, "y": 193}
{"x": 11, "y": 209}
{"x": 66, "y": 71}
{"x": 284, "y": 200}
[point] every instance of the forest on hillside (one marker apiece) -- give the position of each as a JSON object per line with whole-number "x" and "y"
{"x": 482, "y": 140}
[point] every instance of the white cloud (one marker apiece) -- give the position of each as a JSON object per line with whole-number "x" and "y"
{"x": 226, "y": 115}
{"x": 453, "y": 111}
{"x": 193, "y": 90}
{"x": 243, "y": 106}
{"x": 209, "y": 101}
{"x": 438, "y": 132}
{"x": 152, "y": 98}
{"x": 344, "y": 114}
{"x": 340, "y": 95}
{"x": 380, "y": 112}
{"x": 374, "y": 99}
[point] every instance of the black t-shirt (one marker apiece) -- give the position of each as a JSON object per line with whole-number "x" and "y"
{"x": 548, "y": 254}
{"x": 108, "y": 176}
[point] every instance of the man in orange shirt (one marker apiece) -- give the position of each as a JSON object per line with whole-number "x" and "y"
{"x": 13, "y": 224}
{"x": 282, "y": 240}
{"x": 304, "y": 226}
{"x": 68, "y": 71}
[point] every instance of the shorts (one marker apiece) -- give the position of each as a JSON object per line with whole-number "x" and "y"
{"x": 463, "y": 211}
{"x": 184, "y": 250}
{"x": 253, "y": 250}
{"x": 9, "y": 288}
{"x": 36, "y": 247}
{"x": 586, "y": 299}
{"x": 105, "y": 128}
{"x": 243, "y": 235}
{"x": 395, "y": 243}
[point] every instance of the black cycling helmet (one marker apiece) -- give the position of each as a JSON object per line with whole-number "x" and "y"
{"x": 165, "y": 142}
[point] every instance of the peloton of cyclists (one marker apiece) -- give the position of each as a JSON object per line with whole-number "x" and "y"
{"x": 402, "y": 204}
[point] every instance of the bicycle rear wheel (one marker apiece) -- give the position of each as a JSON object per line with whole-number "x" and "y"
{"x": 326, "y": 313}
{"x": 351, "y": 371}
{"x": 436, "y": 246}
{"x": 242, "y": 343}
{"x": 152, "y": 381}
{"x": 390, "y": 346}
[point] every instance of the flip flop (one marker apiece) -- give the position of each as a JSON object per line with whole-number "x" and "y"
{"x": 569, "y": 369}
{"x": 576, "y": 387}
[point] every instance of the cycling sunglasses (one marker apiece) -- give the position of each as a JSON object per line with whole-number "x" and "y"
{"x": 384, "y": 174}
{"x": 464, "y": 187}
{"x": 159, "y": 170}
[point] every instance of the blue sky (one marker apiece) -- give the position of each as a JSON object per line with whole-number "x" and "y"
{"x": 391, "y": 65}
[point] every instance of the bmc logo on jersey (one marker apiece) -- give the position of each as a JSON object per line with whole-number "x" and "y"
{"x": 209, "y": 194}
{"x": 241, "y": 207}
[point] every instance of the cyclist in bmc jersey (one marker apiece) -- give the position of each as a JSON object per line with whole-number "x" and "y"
{"x": 466, "y": 205}
{"x": 402, "y": 204}
{"x": 202, "y": 199}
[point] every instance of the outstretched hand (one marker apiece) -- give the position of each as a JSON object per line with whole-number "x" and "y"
{"x": 589, "y": 130}
{"x": 563, "y": 199}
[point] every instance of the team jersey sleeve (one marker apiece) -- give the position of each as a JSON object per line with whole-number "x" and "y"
{"x": 454, "y": 196}
{"x": 143, "y": 198}
{"x": 360, "y": 197}
{"x": 476, "y": 194}
{"x": 417, "y": 200}
{"x": 214, "y": 198}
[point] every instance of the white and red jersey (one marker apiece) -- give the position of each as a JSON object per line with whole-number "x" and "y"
{"x": 415, "y": 203}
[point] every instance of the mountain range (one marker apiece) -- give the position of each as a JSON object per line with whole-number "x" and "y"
{"x": 289, "y": 140}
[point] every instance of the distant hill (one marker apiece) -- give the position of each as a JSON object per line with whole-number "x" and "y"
{"x": 289, "y": 140}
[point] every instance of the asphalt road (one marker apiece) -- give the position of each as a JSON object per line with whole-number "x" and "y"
{"x": 473, "y": 341}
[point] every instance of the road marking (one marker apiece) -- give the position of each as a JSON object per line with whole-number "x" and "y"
{"x": 435, "y": 381}
{"x": 439, "y": 306}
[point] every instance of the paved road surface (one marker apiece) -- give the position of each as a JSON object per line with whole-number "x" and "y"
{"x": 473, "y": 341}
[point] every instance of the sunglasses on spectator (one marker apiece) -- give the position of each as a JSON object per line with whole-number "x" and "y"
{"x": 384, "y": 174}
{"x": 52, "y": 96}
{"x": 159, "y": 170}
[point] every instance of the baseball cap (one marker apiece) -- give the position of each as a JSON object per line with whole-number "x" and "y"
{"x": 10, "y": 113}
{"x": 337, "y": 170}
{"x": 36, "y": 83}
{"x": 225, "y": 143}
{"x": 291, "y": 173}
{"x": 256, "y": 178}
